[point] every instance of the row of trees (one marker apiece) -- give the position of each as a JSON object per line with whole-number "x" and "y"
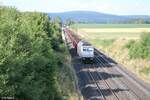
{"x": 131, "y": 21}
{"x": 31, "y": 51}
{"x": 139, "y": 21}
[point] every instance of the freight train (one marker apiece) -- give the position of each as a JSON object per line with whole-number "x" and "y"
{"x": 84, "y": 50}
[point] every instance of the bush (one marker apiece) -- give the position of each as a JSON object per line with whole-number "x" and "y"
{"x": 140, "y": 49}
{"x": 145, "y": 70}
{"x": 129, "y": 44}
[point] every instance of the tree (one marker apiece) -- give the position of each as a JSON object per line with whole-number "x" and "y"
{"x": 69, "y": 22}
{"x": 29, "y": 48}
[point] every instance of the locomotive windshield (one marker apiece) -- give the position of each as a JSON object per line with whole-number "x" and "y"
{"x": 88, "y": 49}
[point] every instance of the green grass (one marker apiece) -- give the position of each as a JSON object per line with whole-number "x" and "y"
{"x": 145, "y": 70}
{"x": 104, "y": 42}
{"x": 129, "y": 44}
{"x": 110, "y": 26}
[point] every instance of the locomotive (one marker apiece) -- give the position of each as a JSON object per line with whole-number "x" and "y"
{"x": 85, "y": 51}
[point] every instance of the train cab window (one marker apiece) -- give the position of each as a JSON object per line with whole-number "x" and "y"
{"x": 84, "y": 49}
{"x": 89, "y": 49}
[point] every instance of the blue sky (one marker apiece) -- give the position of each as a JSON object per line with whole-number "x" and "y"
{"x": 120, "y": 7}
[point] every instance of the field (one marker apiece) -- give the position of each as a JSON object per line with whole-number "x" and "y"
{"x": 109, "y": 31}
{"x": 111, "y": 26}
{"x": 112, "y": 38}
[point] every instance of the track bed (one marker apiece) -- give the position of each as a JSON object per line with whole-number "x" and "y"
{"x": 105, "y": 79}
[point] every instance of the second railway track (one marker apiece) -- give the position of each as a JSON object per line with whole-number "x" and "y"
{"x": 117, "y": 83}
{"x": 102, "y": 86}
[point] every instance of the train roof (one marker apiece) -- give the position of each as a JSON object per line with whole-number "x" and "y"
{"x": 85, "y": 43}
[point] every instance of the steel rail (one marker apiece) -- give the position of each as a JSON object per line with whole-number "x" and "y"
{"x": 101, "y": 77}
{"x": 113, "y": 69}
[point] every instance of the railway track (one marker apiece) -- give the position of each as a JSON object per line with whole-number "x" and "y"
{"x": 105, "y": 84}
{"x": 100, "y": 86}
{"x": 105, "y": 79}
{"x": 135, "y": 88}
{"x": 103, "y": 87}
{"x": 118, "y": 82}
{"x": 109, "y": 84}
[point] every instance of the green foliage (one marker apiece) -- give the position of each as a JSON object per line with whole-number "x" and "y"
{"x": 69, "y": 22}
{"x": 129, "y": 44}
{"x": 30, "y": 45}
{"x": 145, "y": 70}
{"x": 141, "y": 49}
{"x": 139, "y": 21}
{"x": 104, "y": 42}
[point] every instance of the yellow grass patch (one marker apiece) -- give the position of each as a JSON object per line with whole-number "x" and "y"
{"x": 100, "y": 34}
{"x": 108, "y": 30}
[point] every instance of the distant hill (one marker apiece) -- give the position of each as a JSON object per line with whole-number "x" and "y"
{"x": 95, "y": 17}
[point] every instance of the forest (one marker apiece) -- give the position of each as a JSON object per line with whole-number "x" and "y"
{"x": 31, "y": 55}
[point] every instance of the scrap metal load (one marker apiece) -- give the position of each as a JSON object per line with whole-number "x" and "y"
{"x": 73, "y": 38}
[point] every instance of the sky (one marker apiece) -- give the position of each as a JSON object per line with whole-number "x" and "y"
{"x": 119, "y": 7}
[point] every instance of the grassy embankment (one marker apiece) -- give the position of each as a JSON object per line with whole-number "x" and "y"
{"x": 68, "y": 80}
{"x": 113, "y": 38}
